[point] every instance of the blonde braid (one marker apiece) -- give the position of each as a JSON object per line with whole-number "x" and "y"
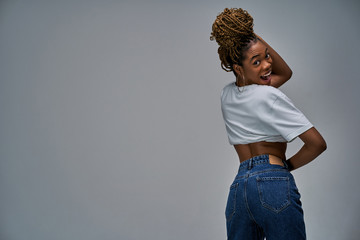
{"x": 232, "y": 30}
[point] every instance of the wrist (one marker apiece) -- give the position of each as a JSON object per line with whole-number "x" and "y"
{"x": 289, "y": 165}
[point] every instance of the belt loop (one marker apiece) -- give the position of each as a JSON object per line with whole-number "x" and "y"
{"x": 250, "y": 163}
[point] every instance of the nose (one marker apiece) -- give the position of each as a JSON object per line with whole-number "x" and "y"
{"x": 267, "y": 64}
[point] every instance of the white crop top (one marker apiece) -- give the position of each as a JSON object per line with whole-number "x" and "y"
{"x": 260, "y": 113}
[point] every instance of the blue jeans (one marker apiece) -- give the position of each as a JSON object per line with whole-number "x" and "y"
{"x": 264, "y": 202}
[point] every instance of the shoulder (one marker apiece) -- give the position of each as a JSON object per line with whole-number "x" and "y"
{"x": 267, "y": 93}
{"x": 269, "y": 90}
{"x": 228, "y": 86}
{"x": 227, "y": 89}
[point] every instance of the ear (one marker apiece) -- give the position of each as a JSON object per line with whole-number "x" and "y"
{"x": 239, "y": 70}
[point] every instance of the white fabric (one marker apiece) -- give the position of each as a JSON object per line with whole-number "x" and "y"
{"x": 260, "y": 113}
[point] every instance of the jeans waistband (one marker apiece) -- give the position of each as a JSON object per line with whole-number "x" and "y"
{"x": 261, "y": 159}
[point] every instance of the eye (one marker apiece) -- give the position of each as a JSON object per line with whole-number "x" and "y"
{"x": 267, "y": 56}
{"x": 257, "y": 62}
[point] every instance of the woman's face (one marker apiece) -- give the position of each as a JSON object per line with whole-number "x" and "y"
{"x": 256, "y": 68}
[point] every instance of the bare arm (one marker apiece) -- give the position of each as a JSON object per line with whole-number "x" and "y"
{"x": 281, "y": 72}
{"x": 314, "y": 145}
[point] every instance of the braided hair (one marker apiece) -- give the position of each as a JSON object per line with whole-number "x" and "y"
{"x": 233, "y": 31}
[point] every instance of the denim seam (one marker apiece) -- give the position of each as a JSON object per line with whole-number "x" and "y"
{"x": 268, "y": 170}
{"x": 259, "y": 172}
{"x": 235, "y": 187}
{"x": 247, "y": 204}
{"x": 255, "y": 163}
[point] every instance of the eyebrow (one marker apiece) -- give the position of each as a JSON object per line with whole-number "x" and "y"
{"x": 255, "y": 56}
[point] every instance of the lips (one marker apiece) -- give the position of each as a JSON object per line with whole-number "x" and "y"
{"x": 266, "y": 76}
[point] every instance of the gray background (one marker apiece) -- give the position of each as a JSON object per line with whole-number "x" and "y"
{"x": 110, "y": 122}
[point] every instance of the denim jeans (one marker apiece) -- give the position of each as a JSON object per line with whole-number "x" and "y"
{"x": 264, "y": 202}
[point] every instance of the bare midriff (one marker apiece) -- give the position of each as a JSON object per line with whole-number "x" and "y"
{"x": 276, "y": 151}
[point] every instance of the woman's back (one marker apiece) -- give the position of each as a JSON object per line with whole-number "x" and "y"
{"x": 276, "y": 149}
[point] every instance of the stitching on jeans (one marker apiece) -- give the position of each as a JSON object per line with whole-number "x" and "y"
{"x": 233, "y": 187}
{"x": 247, "y": 205}
{"x": 267, "y": 205}
{"x": 259, "y": 172}
{"x": 268, "y": 170}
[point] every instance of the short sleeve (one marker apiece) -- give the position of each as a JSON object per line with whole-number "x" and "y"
{"x": 286, "y": 119}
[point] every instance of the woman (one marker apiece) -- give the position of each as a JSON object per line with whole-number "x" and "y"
{"x": 263, "y": 200}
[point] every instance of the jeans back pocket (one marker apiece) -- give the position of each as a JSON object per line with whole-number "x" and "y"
{"x": 274, "y": 192}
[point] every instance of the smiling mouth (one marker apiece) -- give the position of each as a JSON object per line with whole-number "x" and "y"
{"x": 266, "y": 76}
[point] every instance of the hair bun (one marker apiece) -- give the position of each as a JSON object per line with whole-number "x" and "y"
{"x": 232, "y": 24}
{"x": 232, "y": 29}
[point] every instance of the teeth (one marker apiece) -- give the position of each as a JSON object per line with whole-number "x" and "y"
{"x": 266, "y": 75}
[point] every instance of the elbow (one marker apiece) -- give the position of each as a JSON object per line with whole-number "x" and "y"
{"x": 289, "y": 74}
{"x": 317, "y": 147}
{"x": 324, "y": 146}
{"x": 321, "y": 146}
{"x": 286, "y": 75}
{"x": 313, "y": 141}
